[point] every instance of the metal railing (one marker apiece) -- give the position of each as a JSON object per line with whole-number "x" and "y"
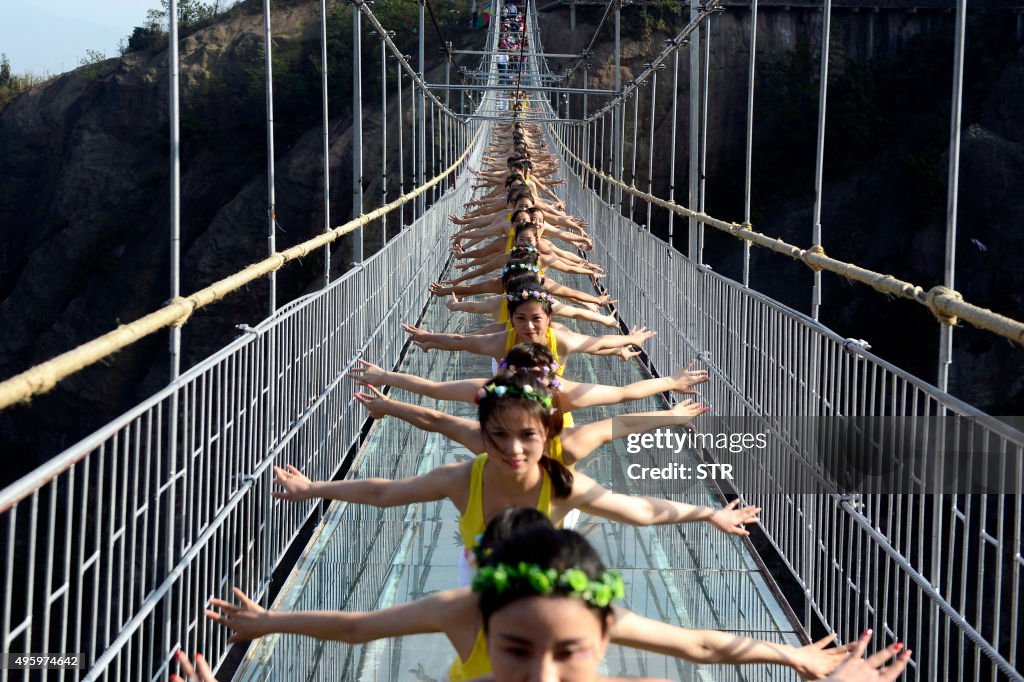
{"x": 928, "y": 561}
{"x": 113, "y": 548}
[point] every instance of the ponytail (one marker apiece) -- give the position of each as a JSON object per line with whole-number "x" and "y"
{"x": 560, "y": 475}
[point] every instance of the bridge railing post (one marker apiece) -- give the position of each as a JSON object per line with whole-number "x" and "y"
{"x": 357, "y": 129}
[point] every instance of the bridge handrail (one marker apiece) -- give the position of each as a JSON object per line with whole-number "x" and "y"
{"x": 947, "y": 305}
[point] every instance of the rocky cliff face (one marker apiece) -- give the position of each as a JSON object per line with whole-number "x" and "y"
{"x": 885, "y": 174}
{"x": 84, "y": 207}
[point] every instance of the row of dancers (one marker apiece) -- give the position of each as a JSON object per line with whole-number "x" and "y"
{"x": 534, "y": 601}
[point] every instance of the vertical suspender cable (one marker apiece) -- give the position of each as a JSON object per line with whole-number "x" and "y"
{"x": 384, "y": 135}
{"x": 672, "y": 157}
{"x": 401, "y": 150}
{"x": 819, "y": 158}
{"x": 750, "y": 139}
{"x": 414, "y": 149}
{"x": 650, "y": 145}
{"x": 703, "y": 169}
{"x": 694, "y": 172}
{"x": 949, "y": 269}
{"x": 618, "y": 124}
{"x": 422, "y": 159}
{"x": 586, "y": 83}
{"x": 271, "y": 210}
{"x": 357, "y": 128}
{"x": 327, "y": 140}
{"x": 175, "y": 339}
{"x": 636, "y": 126}
{"x": 175, "y": 135}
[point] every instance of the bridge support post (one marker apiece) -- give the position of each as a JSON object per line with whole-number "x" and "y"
{"x": 271, "y": 211}
{"x": 172, "y": 539}
{"x": 327, "y": 140}
{"x": 672, "y": 154}
{"x": 650, "y": 144}
{"x": 703, "y": 166}
{"x": 636, "y": 127}
{"x": 357, "y": 130}
{"x": 384, "y": 135}
{"x": 750, "y": 138}
{"x": 401, "y": 145}
{"x": 421, "y": 201}
{"x": 175, "y": 151}
{"x": 949, "y": 269}
{"x": 693, "y": 250}
{"x": 819, "y": 159}
{"x": 618, "y": 122}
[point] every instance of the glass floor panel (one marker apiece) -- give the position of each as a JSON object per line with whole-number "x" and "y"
{"x": 363, "y": 558}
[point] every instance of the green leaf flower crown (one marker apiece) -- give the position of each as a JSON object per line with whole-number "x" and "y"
{"x": 527, "y": 294}
{"x": 572, "y": 582}
{"x": 528, "y": 391}
{"x": 520, "y": 266}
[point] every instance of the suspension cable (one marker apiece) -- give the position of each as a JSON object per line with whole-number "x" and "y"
{"x": 673, "y": 45}
{"x": 399, "y": 56}
{"x": 593, "y": 39}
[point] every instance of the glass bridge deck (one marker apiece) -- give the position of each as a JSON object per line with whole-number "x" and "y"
{"x": 690, "y": 575}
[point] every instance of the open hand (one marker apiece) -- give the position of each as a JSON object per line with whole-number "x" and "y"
{"x": 689, "y": 408}
{"x": 376, "y": 404}
{"x": 729, "y": 519}
{"x": 814, "y": 661}
{"x": 200, "y": 672}
{"x": 368, "y": 374}
{"x": 247, "y": 621}
{"x": 686, "y": 377}
{"x": 296, "y": 487}
{"x": 641, "y": 334}
{"x": 417, "y": 336}
{"x": 857, "y": 669}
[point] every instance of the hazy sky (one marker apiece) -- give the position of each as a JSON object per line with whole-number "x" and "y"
{"x": 52, "y": 35}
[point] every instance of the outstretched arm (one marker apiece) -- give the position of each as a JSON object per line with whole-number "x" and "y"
{"x": 570, "y": 311}
{"x": 579, "y": 343}
{"x": 594, "y": 499}
{"x": 568, "y": 292}
{"x": 580, "y": 441}
{"x": 369, "y": 374}
{"x": 578, "y": 396}
{"x": 811, "y": 662}
{"x": 492, "y": 285}
{"x": 248, "y": 620}
{"x": 490, "y": 344}
{"x": 378, "y": 492}
{"x": 464, "y": 431}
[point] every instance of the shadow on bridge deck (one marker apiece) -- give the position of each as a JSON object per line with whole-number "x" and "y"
{"x": 690, "y": 575}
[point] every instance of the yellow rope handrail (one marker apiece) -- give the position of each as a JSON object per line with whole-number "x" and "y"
{"x": 947, "y": 305}
{"x": 44, "y": 376}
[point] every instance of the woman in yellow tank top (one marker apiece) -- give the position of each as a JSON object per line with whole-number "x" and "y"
{"x": 571, "y": 395}
{"x": 513, "y": 538}
{"x": 517, "y": 420}
{"x": 530, "y": 312}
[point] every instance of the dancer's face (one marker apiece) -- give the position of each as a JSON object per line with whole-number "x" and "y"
{"x": 527, "y": 238}
{"x": 545, "y": 639}
{"x": 531, "y": 322}
{"x": 516, "y": 439}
